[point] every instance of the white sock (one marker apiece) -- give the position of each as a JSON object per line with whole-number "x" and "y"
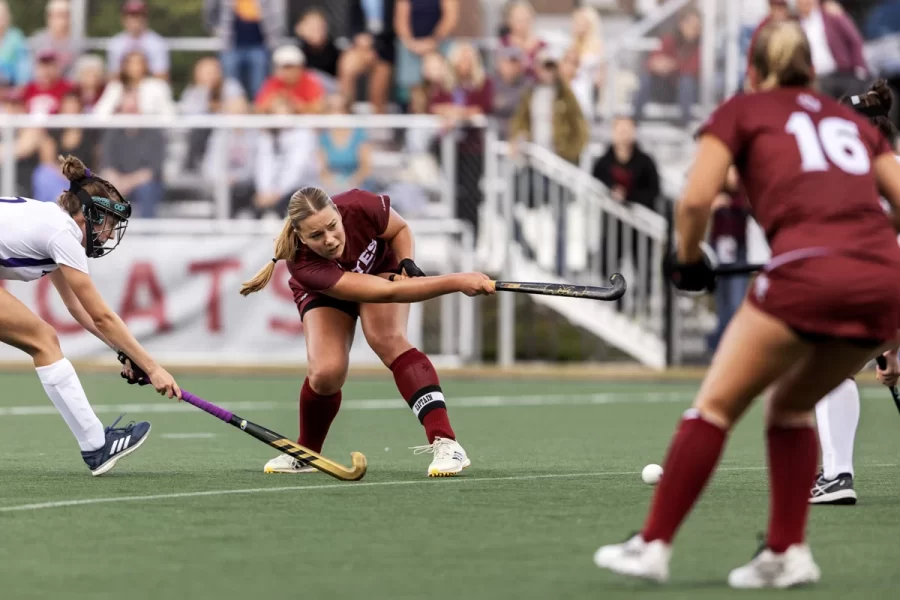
{"x": 837, "y": 416}
{"x": 64, "y": 389}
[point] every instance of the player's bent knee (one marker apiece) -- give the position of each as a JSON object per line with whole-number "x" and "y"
{"x": 44, "y": 341}
{"x": 389, "y": 346}
{"x": 718, "y": 411}
{"x": 327, "y": 379}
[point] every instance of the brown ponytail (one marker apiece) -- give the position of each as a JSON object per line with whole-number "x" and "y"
{"x": 304, "y": 203}
{"x": 875, "y": 104}
{"x": 74, "y": 170}
{"x": 782, "y": 57}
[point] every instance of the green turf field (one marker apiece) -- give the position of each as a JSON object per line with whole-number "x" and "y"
{"x": 555, "y": 474}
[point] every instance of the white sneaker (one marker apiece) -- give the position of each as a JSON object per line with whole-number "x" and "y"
{"x": 287, "y": 464}
{"x": 449, "y": 457}
{"x": 793, "y": 567}
{"x": 636, "y": 558}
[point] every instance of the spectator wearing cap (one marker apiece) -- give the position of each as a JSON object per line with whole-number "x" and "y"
{"x": 836, "y": 46}
{"x": 422, "y": 26}
{"x": 248, "y": 30}
{"x": 510, "y": 84}
{"x": 138, "y": 36}
{"x": 44, "y": 94}
{"x": 372, "y": 53}
{"x": 57, "y": 36}
{"x": 317, "y": 44}
{"x": 292, "y": 83}
{"x": 518, "y": 31}
{"x": 15, "y": 60}
{"x": 135, "y": 90}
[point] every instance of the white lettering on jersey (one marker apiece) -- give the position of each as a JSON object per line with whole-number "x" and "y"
{"x": 365, "y": 259}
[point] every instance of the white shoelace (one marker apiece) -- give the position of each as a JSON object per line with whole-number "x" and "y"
{"x": 441, "y": 448}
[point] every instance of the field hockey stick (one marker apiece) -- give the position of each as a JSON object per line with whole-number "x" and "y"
{"x": 608, "y": 294}
{"x": 727, "y": 270}
{"x": 282, "y": 444}
{"x": 895, "y": 393}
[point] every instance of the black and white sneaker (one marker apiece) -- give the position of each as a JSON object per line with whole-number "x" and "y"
{"x": 120, "y": 442}
{"x": 834, "y": 491}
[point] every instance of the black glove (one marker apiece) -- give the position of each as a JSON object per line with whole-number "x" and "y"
{"x": 691, "y": 277}
{"x": 411, "y": 268}
{"x": 139, "y": 376}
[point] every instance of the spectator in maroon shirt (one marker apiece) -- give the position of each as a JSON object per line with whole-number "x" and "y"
{"x": 44, "y": 94}
{"x": 470, "y": 95}
{"x": 673, "y": 71}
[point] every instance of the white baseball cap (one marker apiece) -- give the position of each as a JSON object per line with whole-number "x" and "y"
{"x": 288, "y": 56}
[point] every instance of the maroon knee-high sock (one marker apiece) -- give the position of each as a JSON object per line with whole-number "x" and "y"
{"x": 316, "y": 414}
{"x": 793, "y": 458}
{"x": 692, "y": 458}
{"x": 419, "y": 385}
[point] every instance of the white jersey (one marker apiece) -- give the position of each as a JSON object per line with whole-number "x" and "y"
{"x": 35, "y": 238}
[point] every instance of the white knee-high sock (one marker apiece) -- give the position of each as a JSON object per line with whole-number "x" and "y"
{"x": 64, "y": 389}
{"x": 837, "y": 416}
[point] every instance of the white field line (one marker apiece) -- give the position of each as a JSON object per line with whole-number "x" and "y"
{"x": 188, "y": 436}
{"x": 333, "y": 486}
{"x": 378, "y": 403}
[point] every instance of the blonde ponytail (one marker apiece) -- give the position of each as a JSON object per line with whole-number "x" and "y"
{"x": 285, "y": 248}
{"x": 782, "y": 57}
{"x": 304, "y": 202}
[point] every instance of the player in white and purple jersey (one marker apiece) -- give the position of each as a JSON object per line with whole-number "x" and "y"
{"x": 56, "y": 240}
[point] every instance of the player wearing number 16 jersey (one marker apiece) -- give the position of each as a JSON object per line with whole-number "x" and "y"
{"x": 824, "y": 304}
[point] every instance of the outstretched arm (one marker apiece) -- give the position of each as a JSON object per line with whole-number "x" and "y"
{"x": 112, "y": 328}
{"x": 372, "y": 289}
{"x": 75, "y": 308}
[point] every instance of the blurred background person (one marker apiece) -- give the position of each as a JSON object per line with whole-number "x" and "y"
{"x": 345, "y": 155}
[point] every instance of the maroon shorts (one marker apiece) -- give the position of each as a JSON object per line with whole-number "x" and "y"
{"x": 832, "y": 297}
{"x": 306, "y": 300}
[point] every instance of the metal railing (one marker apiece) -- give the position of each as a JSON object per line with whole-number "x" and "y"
{"x": 548, "y": 218}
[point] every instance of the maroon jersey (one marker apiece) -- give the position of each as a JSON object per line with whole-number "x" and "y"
{"x": 806, "y": 164}
{"x": 365, "y": 216}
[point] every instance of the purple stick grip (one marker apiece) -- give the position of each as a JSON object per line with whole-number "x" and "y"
{"x": 207, "y": 406}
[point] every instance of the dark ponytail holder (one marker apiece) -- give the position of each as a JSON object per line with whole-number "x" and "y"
{"x": 274, "y": 261}
{"x": 867, "y": 110}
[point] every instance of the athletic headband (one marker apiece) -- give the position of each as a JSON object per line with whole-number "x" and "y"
{"x": 869, "y": 111}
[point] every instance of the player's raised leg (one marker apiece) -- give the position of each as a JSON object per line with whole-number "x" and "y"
{"x": 329, "y": 335}
{"x": 384, "y": 326}
{"x": 837, "y": 417}
{"x": 786, "y": 560}
{"x": 100, "y": 449}
{"x": 734, "y": 379}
